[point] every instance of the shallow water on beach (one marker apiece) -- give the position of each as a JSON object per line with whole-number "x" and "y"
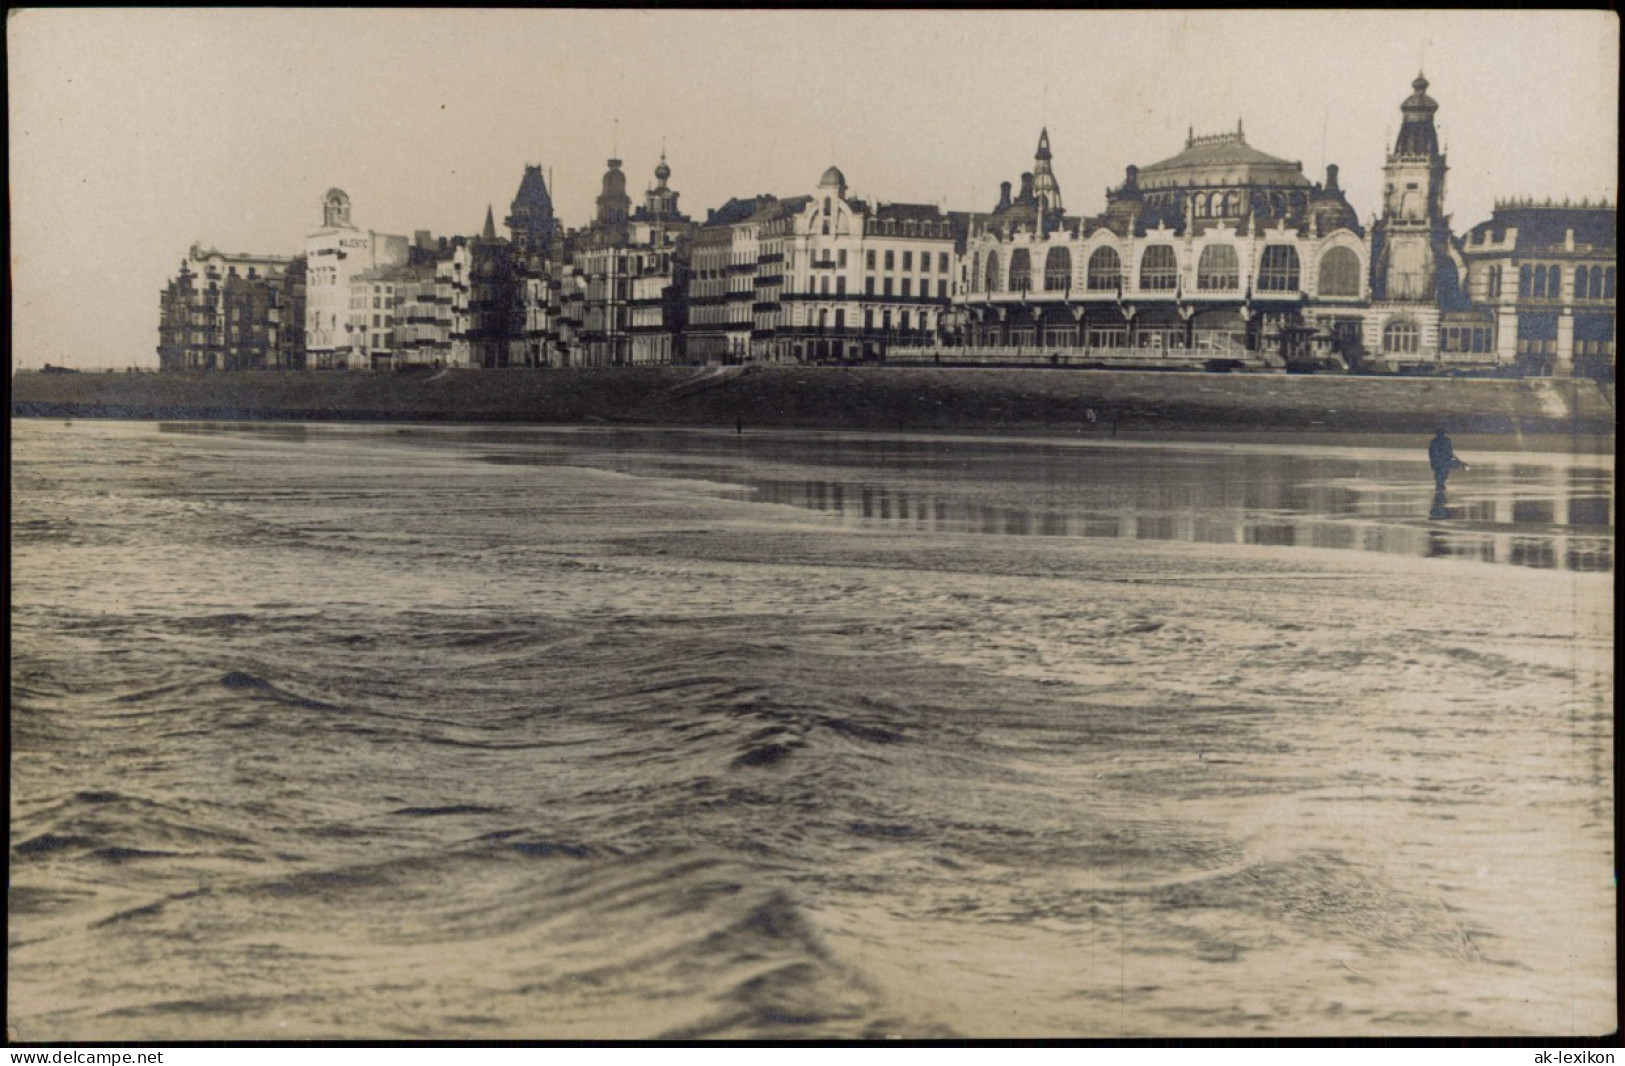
{"x": 411, "y": 732}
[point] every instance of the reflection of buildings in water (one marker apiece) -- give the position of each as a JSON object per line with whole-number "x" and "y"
{"x": 1334, "y": 524}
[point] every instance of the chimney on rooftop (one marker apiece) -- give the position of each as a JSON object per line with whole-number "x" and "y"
{"x": 1331, "y": 178}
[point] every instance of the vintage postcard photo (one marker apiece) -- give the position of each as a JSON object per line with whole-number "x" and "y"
{"x": 538, "y": 525}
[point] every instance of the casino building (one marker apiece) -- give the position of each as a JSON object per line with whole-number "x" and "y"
{"x": 1214, "y": 254}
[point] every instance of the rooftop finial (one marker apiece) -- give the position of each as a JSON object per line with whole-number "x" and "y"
{"x": 1240, "y": 136}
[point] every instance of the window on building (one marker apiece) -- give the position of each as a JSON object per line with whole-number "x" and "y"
{"x": 1525, "y": 290}
{"x": 891, "y": 260}
{"x": 1105, "y": 269}
{"x": 942, "y": 262}
{"x": 1495, "y": 283}
{"x": 1278, "y": 270}
{"x": 908, "y": 260}
{"x": 1401, "y": 337}
{"x": 1340, "y": 273}
{"x": 869, "y": 285}
{"x": 902, "y": 321}
{"x": 868, "y": 318}
{"x": 826, "y": 227}
{"x": 1580, "y": 282}
{"x": 1159, "y": 268}
{"x": 869, "y": 259}
{"x": 1554, "y": 282}
{"x": 1058, "y": 270}
{"x": 908, "y": 284}
{"x": 886, "y": 288}
{"x": 885, "y": 320}
{"x": 925, "y": 262}
{"x": 841, "y": 258}
{"x": 992, "y": 272}
{"x": 1218, "y": 269}
{"x": 840, "y": 285}
{"x": 1608, "y": 284}
{"x": 840, "y": 318}
{"x": 1021, "y": 270}
{"x": 942, "y": 288}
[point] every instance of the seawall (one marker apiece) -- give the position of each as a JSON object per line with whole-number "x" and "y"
{"x": 857, "y": 398}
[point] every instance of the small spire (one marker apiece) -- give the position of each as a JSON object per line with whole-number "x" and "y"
{"x": 490, "y": 232}
{"x": 1239, "y": 135}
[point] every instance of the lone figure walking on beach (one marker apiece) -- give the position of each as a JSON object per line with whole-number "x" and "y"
{"x": 1442, "y": 456}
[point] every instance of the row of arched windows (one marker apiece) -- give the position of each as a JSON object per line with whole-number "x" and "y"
{"x": 1594, "y": 283}
{"x": 1536, "y": 282}
{"x": 1218, "y": 270}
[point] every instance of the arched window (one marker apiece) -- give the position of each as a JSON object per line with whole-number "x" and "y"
{"x": 1218, "y": 269}
{"x": 975, "y": 268}
{"x": 1608, "y": 285}
{"x": 1594, "y": 290}
{"x": 1021, "y": 270}
{"x": 1105, "y": 269}
{"x": 1340, "y": 273}
{"x": 1400, "y": 337}
{"x": 1554, "y": 282}
{"x": 1580, "y": 282}
{"x": 826, "y": 206}
{"x": 1159, "y": 268}
{"x": 993, "y": 272}
{"x": 1057, "y": 270}
{"x": 1278, "y": 270}
{"x": 1539, "y": 292}
{"x": 1524, "y": 291}
{"x": 1232, "y": 204}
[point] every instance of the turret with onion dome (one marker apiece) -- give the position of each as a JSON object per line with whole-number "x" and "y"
{"x": 660, "y": 202}
{"x": 1417, "y": 137}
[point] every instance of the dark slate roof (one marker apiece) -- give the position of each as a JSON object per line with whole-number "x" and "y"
{"x": 735, "y": 210}
{"x": 1541, "y": 227}
{"x": 902, "y": 212}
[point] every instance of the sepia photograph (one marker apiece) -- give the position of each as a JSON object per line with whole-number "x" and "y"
{"x": 683, "y": 526}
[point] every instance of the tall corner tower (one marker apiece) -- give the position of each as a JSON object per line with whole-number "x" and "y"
{"x": 1412, "y": 203}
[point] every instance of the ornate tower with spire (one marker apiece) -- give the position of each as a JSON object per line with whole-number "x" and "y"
{"x": 531, "y": 223}
{"x": 1046, "y": 190}
{"x": 1413, "y": 220}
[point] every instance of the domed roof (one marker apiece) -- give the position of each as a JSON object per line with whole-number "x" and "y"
{"x": 832, "y": 176}
{"x": 1224, "y": 158}
{"x": 662, "y": 171}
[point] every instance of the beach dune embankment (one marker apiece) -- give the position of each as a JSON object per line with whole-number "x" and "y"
{"x": 849, "y": 398}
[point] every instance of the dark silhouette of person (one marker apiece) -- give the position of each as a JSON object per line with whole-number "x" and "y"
{"x": 1442, "y": 457}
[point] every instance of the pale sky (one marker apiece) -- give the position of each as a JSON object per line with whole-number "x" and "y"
{"x": 136, "y": 132}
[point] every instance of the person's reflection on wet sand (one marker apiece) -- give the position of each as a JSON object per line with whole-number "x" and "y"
{"x": 1439, "y": 509}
